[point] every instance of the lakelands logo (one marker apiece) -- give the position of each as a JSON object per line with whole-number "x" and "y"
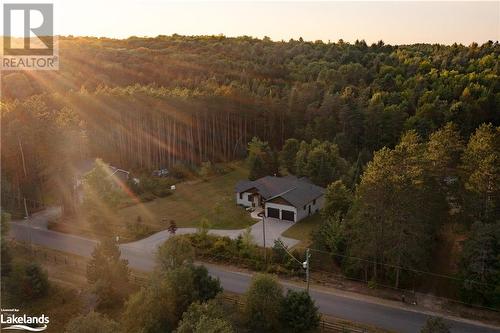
{"x": 10, "y": 319}
{"x": 28, "y": 37}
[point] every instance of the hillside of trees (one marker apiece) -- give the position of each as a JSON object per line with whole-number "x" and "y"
{"x": 404, "y": 127}
{"x": 151, "y": 102}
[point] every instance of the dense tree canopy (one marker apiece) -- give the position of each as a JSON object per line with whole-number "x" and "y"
{"x": 411, "y": 131}
{"x": 152, "y": 102}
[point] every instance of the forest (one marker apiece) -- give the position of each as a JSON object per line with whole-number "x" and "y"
{"x": 413, "y": 128}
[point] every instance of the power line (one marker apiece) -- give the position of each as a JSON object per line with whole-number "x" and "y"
{"x": 256, "y": 262}
{"x": 399, "y": 267}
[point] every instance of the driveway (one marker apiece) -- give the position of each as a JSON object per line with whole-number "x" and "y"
{"x": 273, "y": 229}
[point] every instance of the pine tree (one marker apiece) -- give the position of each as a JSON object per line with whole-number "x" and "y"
{"x": 107, "y": 273}
{"x": 481, "y": 173}
{"x": 479, "y": 265}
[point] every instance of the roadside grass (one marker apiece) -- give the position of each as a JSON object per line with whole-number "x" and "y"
{"x": 69, "y": 294}
{"x": 63, "y": 300}
{"x": 60, "y": 305}
{"x": 303, "y": 229}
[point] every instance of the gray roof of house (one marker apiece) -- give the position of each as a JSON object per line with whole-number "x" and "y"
{"x": 297, "y": 191}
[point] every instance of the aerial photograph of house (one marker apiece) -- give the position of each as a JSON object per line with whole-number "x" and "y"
{"x": 286, "y": 198}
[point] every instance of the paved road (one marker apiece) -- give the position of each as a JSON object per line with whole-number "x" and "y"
{"x": 388, "y": 315}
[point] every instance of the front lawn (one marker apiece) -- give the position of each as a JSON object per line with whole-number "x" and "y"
{"x": 213, "y": 199}
{"x": 192, "y": 200}
{"x": 303, "y": 229}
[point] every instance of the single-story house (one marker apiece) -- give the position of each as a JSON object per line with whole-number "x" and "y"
{"x": 286, "y": 198}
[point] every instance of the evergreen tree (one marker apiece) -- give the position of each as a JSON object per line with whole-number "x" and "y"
{"x": 6, "y": 257}
{"x": 261, "y": 160}
{"x": 479, "y": 265}
{"x": 298, "y": 313}
{"x": 481, "y": 172}
{"x": 289, "y": 153}
{"x": 28, "y": 281}
{"x": 107, "y": 273}
{"x": 394, "y": 214}
{"x": 207, "y": 286}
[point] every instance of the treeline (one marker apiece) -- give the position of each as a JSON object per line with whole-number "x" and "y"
{"x": 154, "y": 102}
{"x": 386, "y": 230}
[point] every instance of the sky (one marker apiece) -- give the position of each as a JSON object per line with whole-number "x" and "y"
{"x": 394, "y": 22}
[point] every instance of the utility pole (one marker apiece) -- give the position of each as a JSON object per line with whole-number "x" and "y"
{"x": 25, "y": 175}
{"x": 306, "y": 265}
{"x": 24, "y": 197}
{"x": 264, "y": 237}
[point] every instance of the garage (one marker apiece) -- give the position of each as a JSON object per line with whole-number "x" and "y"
{"x": 273, "y": 212}
{"x": 287, "y": 215}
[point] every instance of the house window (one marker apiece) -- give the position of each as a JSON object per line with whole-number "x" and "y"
{"x": 305, "y": 207}
{"x": 314, "y": 201}
{"x": 241, "y": 195}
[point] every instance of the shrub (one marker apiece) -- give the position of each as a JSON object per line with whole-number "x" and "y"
{"x": 435, "y": 325}
{"x": 137, "y": 229}
{"x": 222, "y": 169}
{"x": 147, "y": 196}
{"x": 223, "y": 245}
{"x": 203, "y": 228}
{"x": 162, "y": 192}
{"x": 149, "y": 188}
{"x": 181, "y": 171}
{"x": 91, "y": 323}
{"x": 206, "y": 170}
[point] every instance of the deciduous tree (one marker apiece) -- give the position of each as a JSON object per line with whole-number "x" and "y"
{"x": 175, "y": 252}
{"x": 263, "y": 299}
{"x": 205, "y": 318}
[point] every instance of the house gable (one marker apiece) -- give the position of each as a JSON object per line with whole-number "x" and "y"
{"x": 252, "y": 190}
{"x": 280, "y": 201}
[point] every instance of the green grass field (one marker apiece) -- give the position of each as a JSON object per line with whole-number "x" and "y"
{"x": 303, "y": 229}
{"x": 213, "y": 199}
